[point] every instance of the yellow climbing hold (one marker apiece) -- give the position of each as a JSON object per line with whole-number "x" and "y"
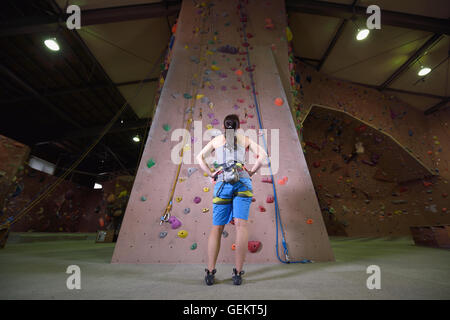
{"x": 206, "y": 189}
{"x": 186, "y": 47}
{"x": 182, "y": 233}
{"x": 211, "y": 105}
{"x": 179, "y": 199}
{"x": 199, "y": 96}
{"x": 205, "y": 174}
{"x": 181, "y": 179}
{"x": 215, "y": 68}
{"x": 122, "y": 194}
{"x": 209, "y": 126}
{"x": 289, "y": 35}
{"x": 209, "y": 52}
{"x": 204, "y": 210}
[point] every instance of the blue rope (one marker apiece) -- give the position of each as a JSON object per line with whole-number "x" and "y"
{"x": 277, "y": 210}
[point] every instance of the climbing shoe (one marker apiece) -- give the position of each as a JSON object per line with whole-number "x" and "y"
{"x": 237, "y": 277}
{"x": 209, "y": 278}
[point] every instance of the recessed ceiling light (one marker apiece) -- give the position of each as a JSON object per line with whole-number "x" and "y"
{"x": 362, "y": 34}
{"x": 52, "y": 44}
{"x": 424, "y": 71}
{"x": 98, "y": 186}
{"x": 136, "y": 139}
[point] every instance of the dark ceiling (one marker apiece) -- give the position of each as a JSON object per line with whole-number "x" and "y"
{"x": 59, "y": 102}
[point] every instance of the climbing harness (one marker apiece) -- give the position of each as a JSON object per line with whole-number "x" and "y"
{"x": 277, "y": 209}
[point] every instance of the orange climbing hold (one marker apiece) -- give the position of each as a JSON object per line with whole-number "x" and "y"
{"x": 238, "y": 73}
{"x": 233, "y": 246}
{"x": 279, "y": 102}
{"x": 309, "y": 221}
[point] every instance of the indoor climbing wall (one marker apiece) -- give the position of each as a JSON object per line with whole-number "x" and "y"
{"x": 228, "y": 57}
{"x": 13, "y": 154}
{"x": 367, "y": 184}
{"x": 69, "y": 208}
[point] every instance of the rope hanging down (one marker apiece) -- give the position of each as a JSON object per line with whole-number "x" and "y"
{"x": 277, "y": 209}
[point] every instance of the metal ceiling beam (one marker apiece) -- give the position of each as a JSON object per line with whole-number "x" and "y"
{"x": 29, "y": 25}
{"x": 411, "y": 60}
{"x": 392, "y": 18}
{"x": 437, "y": 106}
{"x": 332, "y": 44}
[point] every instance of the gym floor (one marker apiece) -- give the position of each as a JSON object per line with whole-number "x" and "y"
{"x": 33, "y": 266}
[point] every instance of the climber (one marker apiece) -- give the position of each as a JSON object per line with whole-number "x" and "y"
{"x": 232, "y": 192}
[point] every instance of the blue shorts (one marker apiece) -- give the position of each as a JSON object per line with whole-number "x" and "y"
{"x": 231, "y": 201}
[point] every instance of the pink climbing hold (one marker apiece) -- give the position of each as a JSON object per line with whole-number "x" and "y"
{"x": 197, "y": 199}
{"x": 174, "y": 222}
{"x": 253, "y": 246}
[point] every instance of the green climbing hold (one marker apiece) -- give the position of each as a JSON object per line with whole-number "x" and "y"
{"x": 216, "y": 165}
{"x": 166, "y": 127}
{"x": 210, "y": 42}
{"x": 150, "y": 163}
{"x": 187, "y": 96}
{"x": 194, "y": 246}
{"x": 143, "y": 198}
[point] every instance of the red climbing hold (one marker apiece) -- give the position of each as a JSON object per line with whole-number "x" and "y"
{"x": 269, "y": 199}
{"x": 261, "y": 209}
{"x": 232, "y": 221}
{"x": 279, "y": 102}
{"x": 316, "y": 164}
{"x": 253, "y": 246}
{"x": 266, "y": 180}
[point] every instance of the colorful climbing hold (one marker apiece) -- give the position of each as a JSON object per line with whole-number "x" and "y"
{"x": 178, "y": 199}
{"x": 166, "y": 127}
{"x": 233, "y": 246}
{"x": 194, "y": 246}
{"x": 309, "y": 221}
{"x": 174, "y": 222}
{"x": 279, "y": 102}
{"x": 182, "y": 234}
{"x": 253, "y": 246}
{"x": 205, "y": 189}
{"x": 197, "y": 199}
{"x": 162, "y": 234}
{"x": 150, "y": 163}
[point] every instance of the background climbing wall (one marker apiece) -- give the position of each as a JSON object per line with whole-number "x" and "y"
{"x": 211, "y": 73}
{"x": 69, "y": 208}
{"x": 12, "y": 157}
{"x": 380, "y": 191}
{"x": 425, "y": 138}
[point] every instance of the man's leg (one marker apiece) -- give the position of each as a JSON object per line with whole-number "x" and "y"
{"x": 214, "y": 246}
{"x": 241, "y": 242}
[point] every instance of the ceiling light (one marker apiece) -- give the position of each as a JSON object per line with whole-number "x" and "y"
{"x": 424, "y": 71}
{"x": 52, "y": 44}
{"x": 362, "y": 34}
{"x": 98, "y": 186}
{"x": 136, "y": 139}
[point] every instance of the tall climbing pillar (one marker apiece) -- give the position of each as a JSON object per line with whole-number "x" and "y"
{"x": 228, "y": 57}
